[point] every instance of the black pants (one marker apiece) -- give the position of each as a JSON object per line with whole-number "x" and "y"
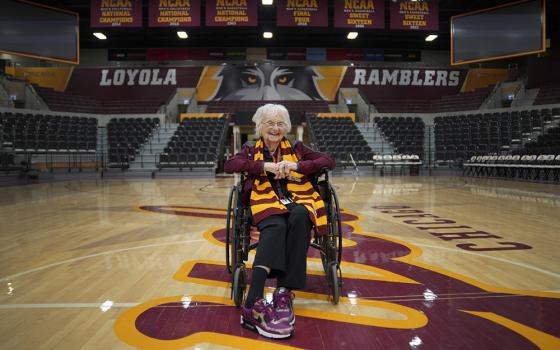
{"x": 283, "y": 245}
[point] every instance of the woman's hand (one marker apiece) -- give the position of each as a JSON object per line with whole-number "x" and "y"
{"x": 271, "y": 168}
{"x": 284, "y": 168}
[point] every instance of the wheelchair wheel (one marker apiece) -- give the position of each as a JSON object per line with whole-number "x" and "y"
{"x": 331, "y": 243}
{"x": 230, "y": 219}
{"x": 335, "y": 281}
{"x": 238, "y": 284}
{"x": 336, "y": 224}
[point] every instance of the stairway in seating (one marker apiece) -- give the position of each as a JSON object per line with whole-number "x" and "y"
{"x": 375, "y": 139}
{"x": 149, "y": 154}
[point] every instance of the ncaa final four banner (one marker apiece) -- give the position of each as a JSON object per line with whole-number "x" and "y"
{"x": 174, "y": 13}
{"x": 116, "y": 13}
{"x": 369, "y": 14}
{"x": 415, "y": 15}
{"x": 239, "y": 13}
{"x": 302, "y": 13}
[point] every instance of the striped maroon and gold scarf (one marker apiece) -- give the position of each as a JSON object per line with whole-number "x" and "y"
{"x": 264, "y": 201}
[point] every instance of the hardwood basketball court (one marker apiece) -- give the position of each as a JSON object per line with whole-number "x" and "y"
{"x": 429, "y": 263}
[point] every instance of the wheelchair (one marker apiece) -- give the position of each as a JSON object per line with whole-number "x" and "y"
{"x": 238, "y": 238}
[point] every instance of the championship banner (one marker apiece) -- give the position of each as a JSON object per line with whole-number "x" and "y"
{"x": 369, "y": 14}
{"x": 239, "y": 13}
{"x": 302, "y": 13}
{"x": 415, "y": 15}
{"x": 174, "y": 13}
{"x": 112, "y": 13}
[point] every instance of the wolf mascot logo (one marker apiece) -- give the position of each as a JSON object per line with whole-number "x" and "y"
{"x": 268, "y": 82}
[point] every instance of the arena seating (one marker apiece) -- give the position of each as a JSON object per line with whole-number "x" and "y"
{"x": 126, "y": 136}
{"x": 463, "y": 101}
{"x": 459, "y": 137}
{"x": 548, "y": 94}
{"x": 63, "y": 101}
{"x": 197, "y": 143}
{"x": 340, "y": 137}
{"x": 545, "y": 167}
{"x": 406, "y": 134}
{"x": 548, "y": 143}
{"x": 251, "y": 106}
{"x": 37, "y": 133}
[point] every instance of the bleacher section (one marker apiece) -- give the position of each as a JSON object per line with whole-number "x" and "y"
{"x": 461, "y": 136}
{"x": 545, "y": 167}
{"x": 63, "y": 101}
{"x": 406, "y": 134}
{"x": 548, "y": 143}
{"x": 548, "y": 94}
{"x": 126, "y": 136}
{"x": 463, "y": 101}
{"x": 340, "y": 137}
{"x": 37, "y": 133}
{"x": 251, "y": 106}
{"x": 197, "y": 143}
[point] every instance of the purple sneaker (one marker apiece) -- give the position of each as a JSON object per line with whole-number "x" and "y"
{"x": 282, "y": 303}
{"x": 261, "y": 318}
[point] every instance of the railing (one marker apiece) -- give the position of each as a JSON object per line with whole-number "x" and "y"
{"x": 51, "y": 160}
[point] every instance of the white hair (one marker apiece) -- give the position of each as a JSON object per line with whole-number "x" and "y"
{"x": 269, "y": 110}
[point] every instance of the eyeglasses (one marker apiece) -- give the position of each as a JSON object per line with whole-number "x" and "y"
{"x": 271, "y": 124}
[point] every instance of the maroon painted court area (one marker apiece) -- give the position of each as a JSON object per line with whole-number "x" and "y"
{"x": 440, "y": 297}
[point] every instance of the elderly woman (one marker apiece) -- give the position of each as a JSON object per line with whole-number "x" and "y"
{"x": 285, "y": 207}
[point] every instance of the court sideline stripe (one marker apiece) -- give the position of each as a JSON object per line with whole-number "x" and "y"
{"x": 93, "y": 256}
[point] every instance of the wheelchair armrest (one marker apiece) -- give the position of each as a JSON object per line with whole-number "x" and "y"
{"x": 321, "y": 172}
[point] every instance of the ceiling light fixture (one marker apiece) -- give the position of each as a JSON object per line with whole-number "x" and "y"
{"x": 100, "y": 36}
{"x": 267, "y": 35}
{"x": 182, "y": 35}
{"x": 352, "y": 35}
{"x": 431, "y": 37}
{"x": 267, "y": 2}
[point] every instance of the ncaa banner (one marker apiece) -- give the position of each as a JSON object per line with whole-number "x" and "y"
{"x": 116, "y": 13}
{"x": 415, "y": 15}
{"x": 174, "y": 13}
{"x": 302, "y": 13}
{"x": 369, "y": 14}
{"x": 239, "y": 13}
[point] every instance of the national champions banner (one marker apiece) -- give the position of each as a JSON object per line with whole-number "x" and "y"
{"x": 111, "y": 13}
{"x": 174, "y": 13}
{"x": 368, "y": 14}
{"x": 239, "y": 13}
{"x": 302, "y": 13}
{"x": 415, "y": 15}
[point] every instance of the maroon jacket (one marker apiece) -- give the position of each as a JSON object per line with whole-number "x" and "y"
{"x": 309, "y": 163}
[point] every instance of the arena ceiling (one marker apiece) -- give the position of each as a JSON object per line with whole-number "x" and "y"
{"x": 283, "y": 37}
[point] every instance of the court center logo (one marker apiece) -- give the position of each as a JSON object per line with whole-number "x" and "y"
{"x": 390, "y": 300}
